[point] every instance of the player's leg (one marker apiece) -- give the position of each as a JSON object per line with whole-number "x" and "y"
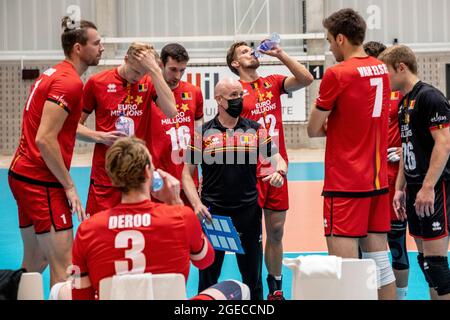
{"x": 344, "y": 225}
{"x": 55, "y": 234}
{"x": 57, "y": 246}
{"x": 342, "y": 247}
{"x": 273, "y": 252}
{"x": 275, "y": 208}
{"x": 420, "y": 262}
{"x": 397, "y": 246}
{"x": 33, "y": 257}
{"x": 249, "y": 226}
{"x": 30, "y": 202}
{"x": 400, "y": 260}
{"x": 434, "y": 234}
{"x": 225, "y": 290}
{"x": 436, "y": 267}
{"x": 416, "y": 232}
{"x": 375, "y": 246}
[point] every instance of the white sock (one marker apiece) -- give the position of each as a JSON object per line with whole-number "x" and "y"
{"x": 402, "y": 293}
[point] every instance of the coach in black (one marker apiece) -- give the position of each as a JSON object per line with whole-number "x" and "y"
{"x": 424, "y": 117}
{"x": 228, "y": 149}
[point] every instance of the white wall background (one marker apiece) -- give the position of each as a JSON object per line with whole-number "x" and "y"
{"x": 410, "y": 21}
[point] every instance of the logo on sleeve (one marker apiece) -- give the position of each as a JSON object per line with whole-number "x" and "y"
{"x": 186, "y": 96}
{"x": 395, "y": 95}
{"x": 49, "y": 72}
{"x": 143, "y": 87}
{"x": 267, "y": 85}
{"x": 112, "y": 88}
{"x": 439, "y": 118}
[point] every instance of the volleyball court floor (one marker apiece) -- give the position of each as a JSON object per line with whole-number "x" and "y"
{"x": 303, "y": 229}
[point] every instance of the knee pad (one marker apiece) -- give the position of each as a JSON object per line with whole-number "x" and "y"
{"x": 226, "y": 290}
{"x": 421, "y": 261}
{"x": 437, "y": 269}
{"x": 385, "y": 275}
{"x": 397, "y": 245}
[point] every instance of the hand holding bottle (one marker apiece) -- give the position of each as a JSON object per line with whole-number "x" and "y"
{"x": 268, "y": 46}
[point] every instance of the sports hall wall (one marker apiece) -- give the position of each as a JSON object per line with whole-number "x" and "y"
{"x": 29, "y": 39}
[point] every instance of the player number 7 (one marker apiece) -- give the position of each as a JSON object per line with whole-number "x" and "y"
{"x": 377, "y": 82}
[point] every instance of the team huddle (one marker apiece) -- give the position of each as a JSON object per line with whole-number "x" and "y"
{"x": 386, "y": 164}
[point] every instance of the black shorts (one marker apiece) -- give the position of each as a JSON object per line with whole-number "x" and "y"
{"x": 437, "y": 225}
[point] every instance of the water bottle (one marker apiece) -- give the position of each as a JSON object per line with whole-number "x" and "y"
{"x": 157, "y": 183}
{"x": 267, "y": 44}
{"x": 125, "y": 125}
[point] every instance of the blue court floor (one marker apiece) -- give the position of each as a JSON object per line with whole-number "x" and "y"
{"x": 11, "y": 243}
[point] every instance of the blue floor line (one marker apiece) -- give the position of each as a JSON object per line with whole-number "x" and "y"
{"x": 11, "y": 243}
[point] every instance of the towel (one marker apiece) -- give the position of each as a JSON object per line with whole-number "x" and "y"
{"x": 132, "y": 287}
{"x": 316, "y": 266}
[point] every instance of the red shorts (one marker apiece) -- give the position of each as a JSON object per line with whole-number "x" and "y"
{"x": 356, "y": 217}
{"x": 269, "y": 197}
{"x": 391, "y": 199}
{"x": 40, "y": 204}
{"x": 102, "y": 198}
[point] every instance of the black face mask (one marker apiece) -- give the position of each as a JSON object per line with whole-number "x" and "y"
{"x": 235, "y": 107}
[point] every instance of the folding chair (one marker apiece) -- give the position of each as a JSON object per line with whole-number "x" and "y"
{"x": 358, "y": 281}
{"x": 30, "y": 287}
{"x": 168, "y": 286}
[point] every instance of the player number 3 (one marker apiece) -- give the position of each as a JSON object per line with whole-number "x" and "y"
{"x": 133, "y": 254}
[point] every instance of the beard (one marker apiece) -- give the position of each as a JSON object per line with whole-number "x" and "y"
{"x": 92, "y": 62}
{"x": 254, "y": 64}
{"x": 173, "y": 83}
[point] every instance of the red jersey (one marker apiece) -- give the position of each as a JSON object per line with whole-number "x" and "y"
{"x": 137, "y": 238}
{"x": 110, "y": 95}
{"x": 262, "y": 104}
{"x": 61, "y": 85}
{"x": 169, "y": 137}
{"x": 394, "y": 134}
{"x": 357, "y": 91}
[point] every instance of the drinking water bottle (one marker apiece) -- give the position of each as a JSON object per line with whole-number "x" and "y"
{"x": 267, "y": 44}
{"x": 157, "y": 182}
{"x": 125, "y": 125}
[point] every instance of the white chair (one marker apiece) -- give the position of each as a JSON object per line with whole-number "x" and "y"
{"x": 167, "y": 286}
{"x": 61, "y": 291}
{"x": 31, "y": 287}
{"x": 358, "y": 281}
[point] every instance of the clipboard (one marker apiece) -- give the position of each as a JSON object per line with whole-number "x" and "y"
{"x": 223, "y": 235}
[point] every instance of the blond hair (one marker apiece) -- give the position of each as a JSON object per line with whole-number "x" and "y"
{"x": 126, "y": 160}
{"x": 137, "y": 47}
{"x": 395, "y": 55}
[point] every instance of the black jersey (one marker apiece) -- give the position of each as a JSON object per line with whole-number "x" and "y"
{"x": 421, "y": 111}
{"x": 229, "y": 159}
